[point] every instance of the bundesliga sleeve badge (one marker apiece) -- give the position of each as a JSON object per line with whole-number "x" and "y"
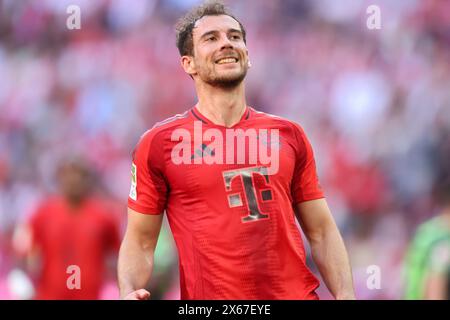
{"x": 133, "y": 193}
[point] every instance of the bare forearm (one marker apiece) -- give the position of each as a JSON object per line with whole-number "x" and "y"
{"x": 135, "y": 266}
{"x": 331, "y": 258}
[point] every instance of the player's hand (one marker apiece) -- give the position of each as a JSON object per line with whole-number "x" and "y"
{"x": 140, "y": 294}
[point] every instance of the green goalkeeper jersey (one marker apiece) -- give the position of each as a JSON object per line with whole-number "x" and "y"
{"x": 428, "y": 252}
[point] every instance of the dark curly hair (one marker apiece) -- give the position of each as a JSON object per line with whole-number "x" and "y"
{"x": 186, "y": 24}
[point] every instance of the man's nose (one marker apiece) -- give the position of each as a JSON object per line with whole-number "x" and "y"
{"x": 225, "y": 42}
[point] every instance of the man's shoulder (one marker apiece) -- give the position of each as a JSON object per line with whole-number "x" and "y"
{"x": 163, "y": 126}
{"x": 173, "y": 121}
{"x": 277, "y": 120}
{"x": 48, "y": 206}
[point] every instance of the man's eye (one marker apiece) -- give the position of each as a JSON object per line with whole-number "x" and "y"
{"x": 236, "y": 37}
{"x": 210, "y": 39}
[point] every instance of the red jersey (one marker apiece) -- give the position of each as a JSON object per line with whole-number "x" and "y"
{"x": 230, "y": 211}
{"x": 82, "y": 239}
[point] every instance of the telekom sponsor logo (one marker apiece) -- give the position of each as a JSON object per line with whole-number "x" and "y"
{"x": 212, "y": 146}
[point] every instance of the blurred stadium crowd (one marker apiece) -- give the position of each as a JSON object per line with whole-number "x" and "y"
{"x": 374, "y": 103}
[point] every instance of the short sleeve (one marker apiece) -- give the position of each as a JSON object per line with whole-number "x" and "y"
{"x": 148, "y": 191}
{"x": 305, "y": 184}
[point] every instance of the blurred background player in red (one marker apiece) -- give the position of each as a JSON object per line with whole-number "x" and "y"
{"x": 70, "y": 236}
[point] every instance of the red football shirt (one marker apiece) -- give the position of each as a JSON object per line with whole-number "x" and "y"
{"x": 82, "y": 238}
{"x": 232, "y": 220}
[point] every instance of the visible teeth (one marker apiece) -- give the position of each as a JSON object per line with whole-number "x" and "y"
{"x": 227, "y": 60}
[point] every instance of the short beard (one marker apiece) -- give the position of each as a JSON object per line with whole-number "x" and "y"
{"x": 226, "y": 82}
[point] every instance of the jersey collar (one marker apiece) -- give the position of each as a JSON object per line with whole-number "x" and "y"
{"x": 198, "y": 116}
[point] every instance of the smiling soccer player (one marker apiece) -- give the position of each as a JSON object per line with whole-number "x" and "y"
{"x": 233, "y": 221}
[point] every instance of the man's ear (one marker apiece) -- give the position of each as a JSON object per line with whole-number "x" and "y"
{"x": 188, "y": 64}
{"x": 249, "y": 64}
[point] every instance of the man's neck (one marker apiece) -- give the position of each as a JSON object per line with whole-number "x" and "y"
{"x": 222, "y": 106}
{"x": 75, "y": 203}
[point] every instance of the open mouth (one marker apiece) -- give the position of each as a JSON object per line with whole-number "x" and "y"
{"x": 227, "y": 60}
